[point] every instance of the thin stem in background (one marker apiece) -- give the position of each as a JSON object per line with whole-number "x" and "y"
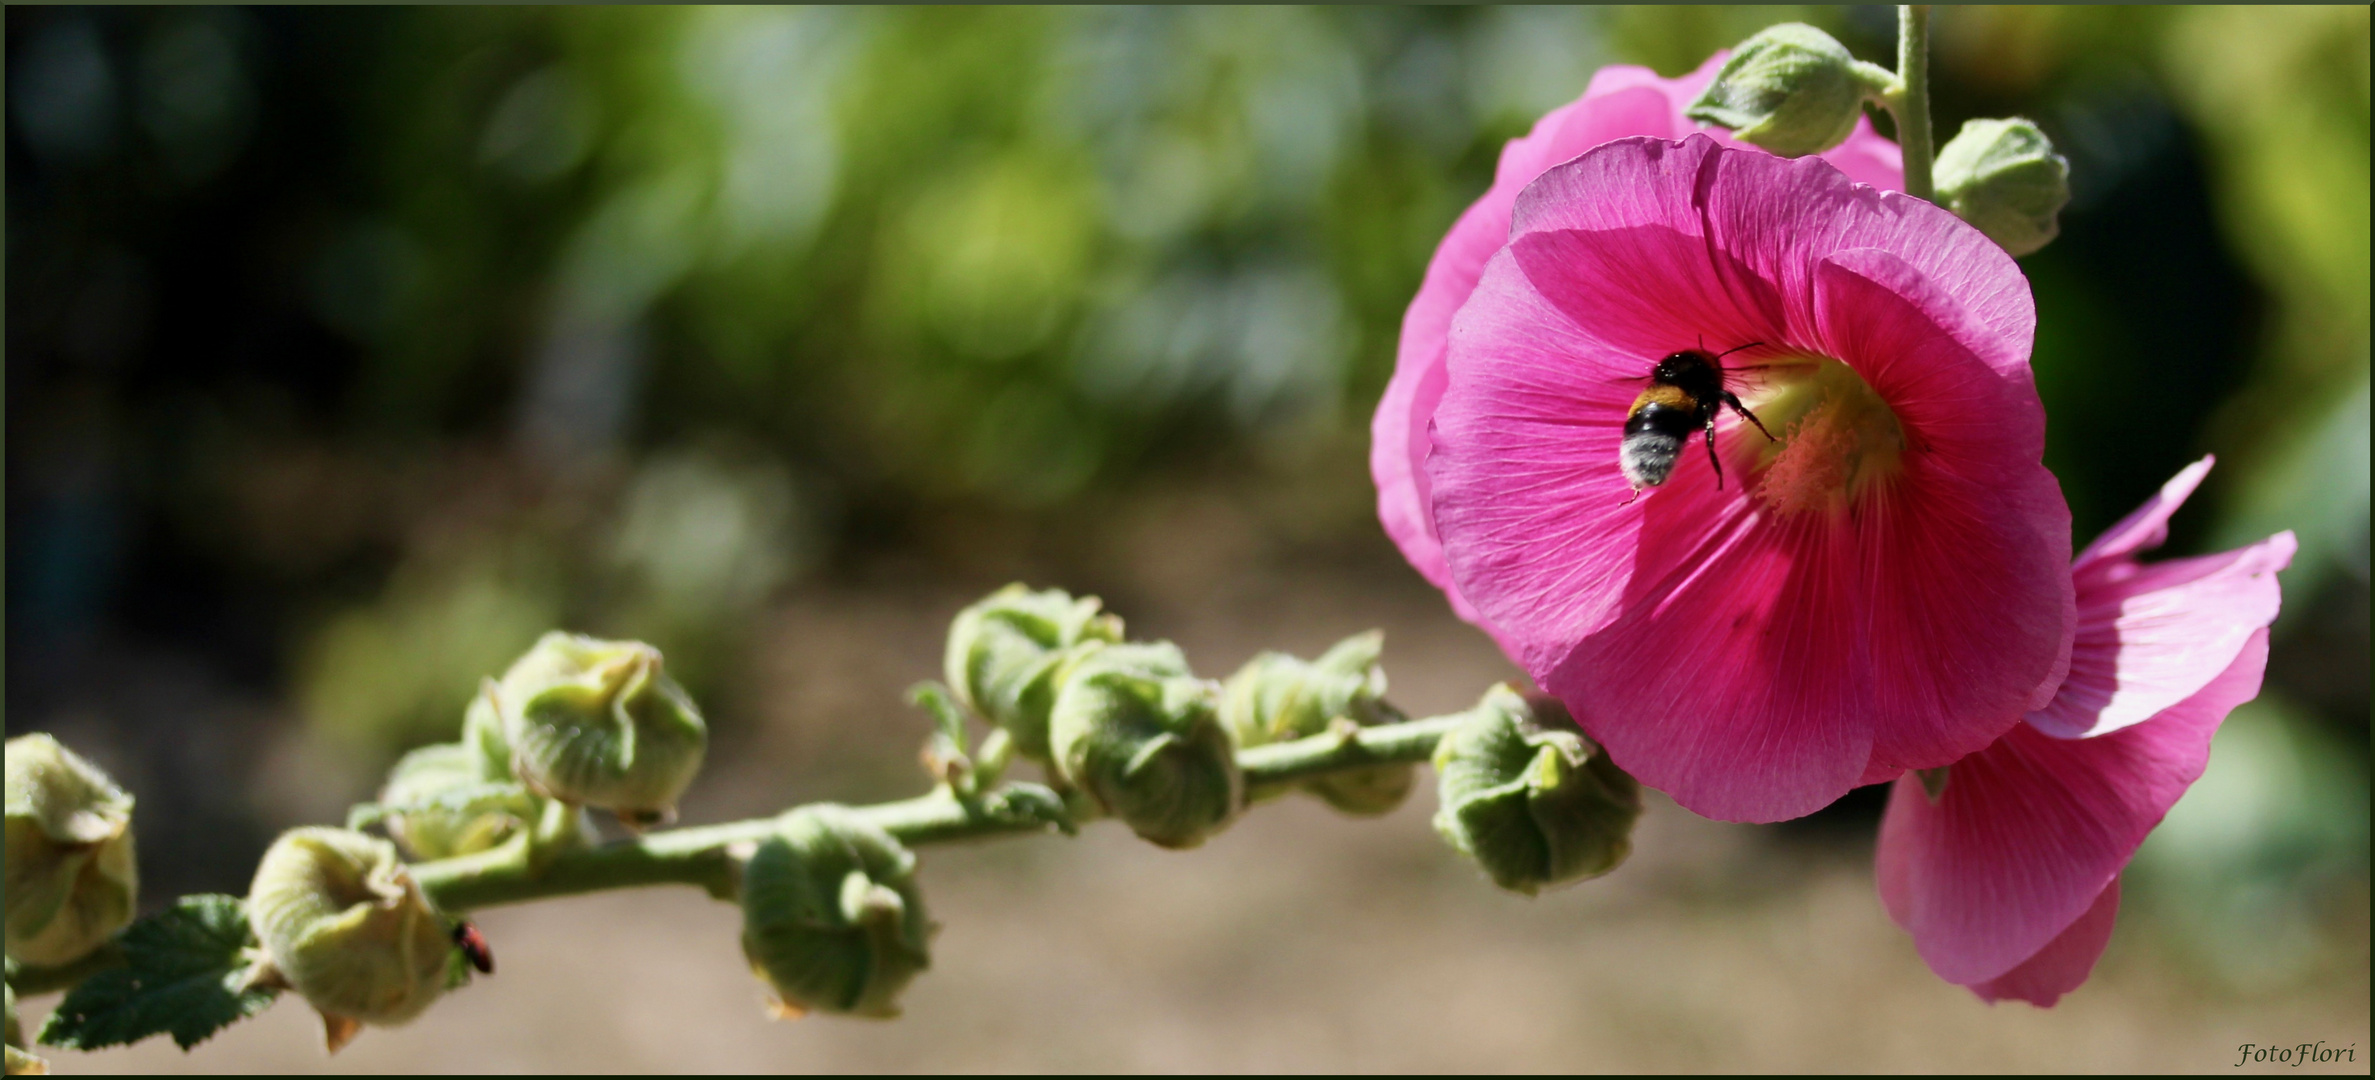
{"x": 1909, "y": 100}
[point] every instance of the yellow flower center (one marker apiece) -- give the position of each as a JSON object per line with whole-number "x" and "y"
{"x": 1836, "y": 440}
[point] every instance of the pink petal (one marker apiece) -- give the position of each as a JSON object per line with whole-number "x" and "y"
{"x": 1621, "y": 101}
{"x": 2148, "y": 527}
{"x": 1398, "y": 435}
{"x": 2029, "y": 832}
{"x": 1753, "y": 666}
{"x": 1977, "y": 604}
{"x": 2063, "y": 963}
{"x": 1777, "y": 218}
{"x": 2152, "y": 636}
{"x": 1550, "y": 418}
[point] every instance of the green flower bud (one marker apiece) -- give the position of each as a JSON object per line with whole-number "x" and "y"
{"x": 439, "y": 807}
{"x": 1529, "y": 798}
{"x": 1005, "y": 653}
{"x": 831, "y": 916}
{"x": 482, "y": 732}
{"x": 1142, "y": 737}
{"x": 1791, "y": 89}
{"x": 596, "y": 723}
{"x": 71, "y": 878}
{"x": 2003, "y": 177}
{"x": 1276, "y": 698}
{"x": 343, "y": 923}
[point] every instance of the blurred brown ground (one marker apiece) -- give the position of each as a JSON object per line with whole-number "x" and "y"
{"x": 1297, "y": 941}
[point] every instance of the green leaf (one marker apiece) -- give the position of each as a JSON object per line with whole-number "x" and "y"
{"x": 947, "y": 719}
{"x": 185, "y": 974}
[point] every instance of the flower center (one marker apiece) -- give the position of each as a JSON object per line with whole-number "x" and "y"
{"x": 1836, "y": 440}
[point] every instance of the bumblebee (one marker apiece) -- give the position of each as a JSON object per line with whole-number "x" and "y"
{"x": 1685, "y": 391}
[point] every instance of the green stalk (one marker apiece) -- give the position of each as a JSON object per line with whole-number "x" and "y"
{"x": 1909, "y": 100}
{"x": 704, "y": 856}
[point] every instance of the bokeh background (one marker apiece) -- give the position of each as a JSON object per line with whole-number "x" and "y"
{"x": 349, "y": 349}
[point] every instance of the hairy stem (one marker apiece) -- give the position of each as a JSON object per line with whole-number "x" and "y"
{"x": 1909, "y": 100}
{"x": 704, "y": 855}
{"x": 1284, "y": 763}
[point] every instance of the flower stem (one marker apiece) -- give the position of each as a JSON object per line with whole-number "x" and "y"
{"x": 703, "y": 856}
{"x": 1909, "y": 99}
{"x": 1280, "y": 764}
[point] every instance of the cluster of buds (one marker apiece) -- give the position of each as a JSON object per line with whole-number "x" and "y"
{"x": 342, "y": 923}
{"x": 1129, "y": 727}
{"x": 1277, "y": 698}
{"x": 1795, "y": 90}
{"x": 575, "y": 723}
{"x": 1124, "y": 724}
{"x": 833, "y": 919}
{"x": 1006, "y": 653}
{"x": 72, "y": 880}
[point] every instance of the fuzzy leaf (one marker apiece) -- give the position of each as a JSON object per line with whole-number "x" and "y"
{"x": 185, "y": 974}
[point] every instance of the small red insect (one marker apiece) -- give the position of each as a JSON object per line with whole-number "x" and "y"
{"x": 474, "y": 945}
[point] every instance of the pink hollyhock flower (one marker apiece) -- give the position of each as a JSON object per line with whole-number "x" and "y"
{"x": 1885, "y": 587}
{"x": 1621, "y": 101}
{"x": 2008, "y": 878}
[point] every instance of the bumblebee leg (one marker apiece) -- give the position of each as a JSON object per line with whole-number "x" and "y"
{"x": 1733, "y": 401}
{"x": 1712, "y": 459}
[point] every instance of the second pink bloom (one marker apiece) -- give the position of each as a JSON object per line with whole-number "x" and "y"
{"x": 2008, "y": 878}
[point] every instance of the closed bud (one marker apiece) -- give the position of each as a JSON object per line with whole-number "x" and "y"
{"x": 1143, "y": 738}
{"x": 596, "y": 723}
{"x": 1005, "y": 655}
{"x": 1529, "y": 798}
{"x": 1276, "y": 698}
{"x": 343, "y": 923}
{"x": 71, "y": 878}
{"x": 2003, "y": 177}
{"x": 1791, "y": 89}
{"x": 438, "y": 806}
{"x": 831, "y": 915}
{"x": 482, "y": 732}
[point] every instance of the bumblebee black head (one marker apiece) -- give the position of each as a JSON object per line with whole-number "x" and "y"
{"x": 1685, "y": 390}
{"x": 1692, "y": 371}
